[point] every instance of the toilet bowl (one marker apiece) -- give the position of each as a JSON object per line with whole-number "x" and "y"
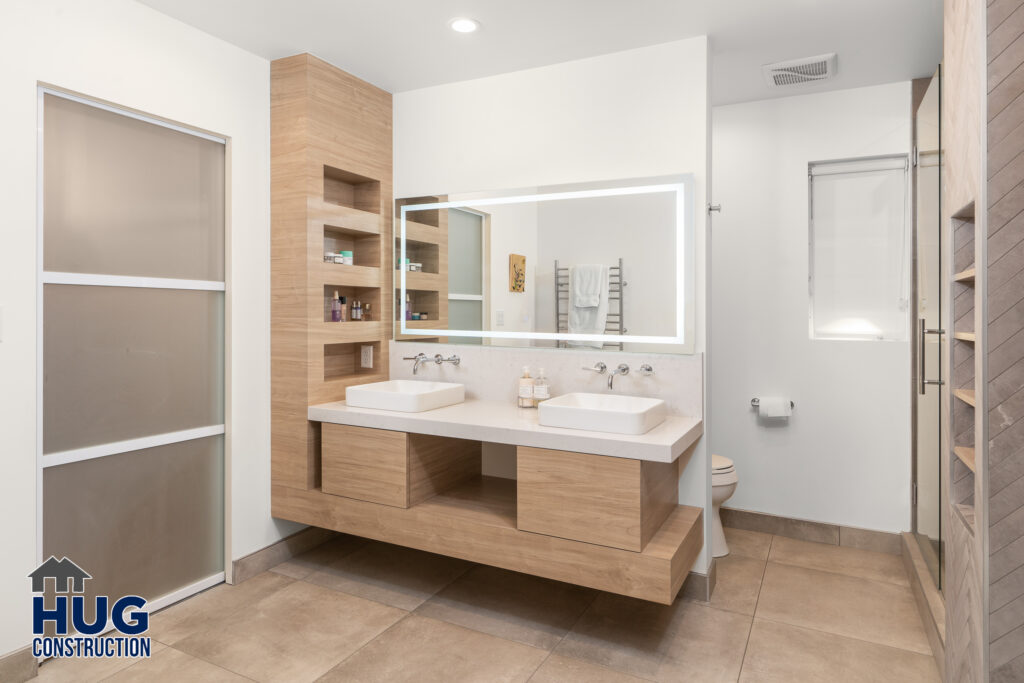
{"x": 723, "y": 484}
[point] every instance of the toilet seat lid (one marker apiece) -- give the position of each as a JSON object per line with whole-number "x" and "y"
{"x": 720, "y": 463}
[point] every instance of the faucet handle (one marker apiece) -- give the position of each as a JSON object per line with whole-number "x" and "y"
{"x": 599, "y": 368}
{"x": 646, "y": 370}
{"x": 418, "y": 356}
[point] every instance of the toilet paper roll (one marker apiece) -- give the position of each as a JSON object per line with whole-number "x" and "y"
{"x": 774, "y": 406}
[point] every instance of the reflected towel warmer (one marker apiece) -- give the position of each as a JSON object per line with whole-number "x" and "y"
{"x": 615, "y": 322}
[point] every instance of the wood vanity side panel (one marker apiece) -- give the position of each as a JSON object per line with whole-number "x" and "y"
{"x": 579, "y": 496}
{"x": 438, "y": 463}
{"x": 366, "y": 464}
{"x": 659, "y": 496}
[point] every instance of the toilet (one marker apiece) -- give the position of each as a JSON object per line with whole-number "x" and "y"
{"x": 723, "y": 484}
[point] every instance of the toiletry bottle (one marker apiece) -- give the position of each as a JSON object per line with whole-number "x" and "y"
{"x": 526, "y": 389}
{"x": 342, "y": 301}
{"x": 357, "y": 310}
{"x": 541, "y": 388}
{"x": 336, "y": 308}
{"x": 408, "y": 307}
{"x": 367, "y": 313}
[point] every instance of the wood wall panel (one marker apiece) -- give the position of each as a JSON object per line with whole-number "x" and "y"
{"x": 1005, "y": 339}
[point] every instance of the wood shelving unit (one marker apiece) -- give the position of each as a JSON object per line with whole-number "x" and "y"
{"x": 963, "y": 293}
{"x": 331, "y": 157}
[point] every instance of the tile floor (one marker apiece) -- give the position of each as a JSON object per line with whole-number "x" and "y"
{"x": 355, "y": 610}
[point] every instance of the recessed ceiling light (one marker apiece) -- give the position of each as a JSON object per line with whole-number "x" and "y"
{"x": 464, "y": 25}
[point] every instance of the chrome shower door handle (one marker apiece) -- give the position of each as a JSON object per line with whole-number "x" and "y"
{"x": 921, "y": 332}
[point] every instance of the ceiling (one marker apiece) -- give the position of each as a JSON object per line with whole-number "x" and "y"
{"x": 406, "y": 44}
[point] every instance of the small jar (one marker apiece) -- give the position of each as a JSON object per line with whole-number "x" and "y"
{"x": 347, "y": 258}
{"x": 329, "y": 257}
{"x": 338, "y": 258}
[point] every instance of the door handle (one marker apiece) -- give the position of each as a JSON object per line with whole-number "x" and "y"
{"x": 922, "y": 331}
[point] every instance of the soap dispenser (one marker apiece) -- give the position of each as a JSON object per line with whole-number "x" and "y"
{"x": 541, "y": 388}
{"x": 526, "y": 389}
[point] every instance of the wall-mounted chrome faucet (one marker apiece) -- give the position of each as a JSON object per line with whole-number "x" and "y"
{"x": 599, "y": 368}
{"x": 454, "y": 360}
{"x": 420, "y": 359}
{"x": 623, "y": 369}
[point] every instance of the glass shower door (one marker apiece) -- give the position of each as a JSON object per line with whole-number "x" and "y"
{"x": 928, "y": 495}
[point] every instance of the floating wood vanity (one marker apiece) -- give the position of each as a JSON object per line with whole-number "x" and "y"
{"x": 593, "y": 519}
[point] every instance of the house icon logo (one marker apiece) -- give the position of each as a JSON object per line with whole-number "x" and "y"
{"x": 75, "y": 632}
{"x": 63, "y": 572}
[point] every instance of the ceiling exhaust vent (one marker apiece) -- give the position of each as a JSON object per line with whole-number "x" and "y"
{"x": 796, "y": 71}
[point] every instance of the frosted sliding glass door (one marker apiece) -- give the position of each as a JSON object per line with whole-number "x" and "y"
{"x": 132, "y": 363}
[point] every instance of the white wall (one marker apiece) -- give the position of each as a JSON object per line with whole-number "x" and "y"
{"x": 513, "y": 231}
{"x": 633, "y": 114}
{"x": 130, "y": 55}
{"x": 844, "y": 457}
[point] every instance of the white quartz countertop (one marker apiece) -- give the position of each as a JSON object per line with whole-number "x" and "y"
{"x": 499, "y": 422}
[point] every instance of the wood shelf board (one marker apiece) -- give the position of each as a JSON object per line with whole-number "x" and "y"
{"x": 327, "y": 274}
{"x": 418, "y": 232}
{"x": 965, "y": 513}
{"x": 965, "y": 275}
{"x": 421, "y": 281}
{"x": 350, "y": 332}
{"x": 476, "y": 522}
{"x": 966, "y": 456}
{"x": 965, "y": 395}
{"x": 965, "y": 336}
{"x": 323, "y": 215}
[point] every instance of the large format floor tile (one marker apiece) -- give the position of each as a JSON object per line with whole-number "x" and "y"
{"x": 875, "y": 611}
{"x": 748, "y": 543}
{"x": 422, "y": 650}
{"x": 682, "y": 641}
{"x": 738, "y": 584}
{"x": 510, "y": 605}
{"x": 320, "y": 557}
{"x": 558, "y": 669}
{"x": 295, "y": 634}
{"x": 841, "y": 560}
{"x": 396, "y": 576}
{"x": 171, "y": 666}
{"x": 212, "y": 607}
{"x": 789, "y": 654}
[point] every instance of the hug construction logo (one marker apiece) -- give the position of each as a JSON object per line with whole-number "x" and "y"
{"x": 128, "y": 616}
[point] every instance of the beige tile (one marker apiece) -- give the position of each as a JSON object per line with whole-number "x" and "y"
{"x": 396, "y": 576}
{"x": 171, "y": 665}
{"x": 739, "y": 582}
{"x": 789, "y": 654}
{"x": 557, "y": 669}
{"x": 748, "y": 543}
{"x": 87, "y": 670}
{"x": 682, "y": 641}
{"x": 211, "y": 607}
{"x": 294, "y": 634}
{"x": 318, "y": 558}
{"x": 833, "y": 558}
{"x": 875, "y": 611}
{"x": 423, "y": 650}
{"x": 510, "y": 605}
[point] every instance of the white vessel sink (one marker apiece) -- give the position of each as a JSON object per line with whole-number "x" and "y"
{"x": 603, "y": 413}
{"x": 406, "y": 396}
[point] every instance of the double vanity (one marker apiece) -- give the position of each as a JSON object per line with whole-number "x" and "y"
{"x": 595, "y": 502}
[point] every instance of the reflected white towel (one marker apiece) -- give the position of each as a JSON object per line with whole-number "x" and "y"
{"x": 588, "y": 302}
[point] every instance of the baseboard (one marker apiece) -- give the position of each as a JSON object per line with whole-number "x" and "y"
{"x": 19, "y": 666}
{"x": 260, "y": 561}
{"x": 700, "y": 586}
{"x": 818, "y": 532}
{"x": 929, "y": 601}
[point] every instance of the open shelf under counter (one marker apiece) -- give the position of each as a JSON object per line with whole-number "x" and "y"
{"x": 476, "y": 521}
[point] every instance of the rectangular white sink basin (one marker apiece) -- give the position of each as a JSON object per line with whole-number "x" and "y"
{"x": 405, "y": 396}
{"x": 603, "y": 413}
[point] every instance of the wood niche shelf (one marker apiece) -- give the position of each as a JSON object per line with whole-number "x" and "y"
{"x": 965, "y": 395}
{"x": 965, "y": 275}
{"x": 966, "y": 456}
{"x": 969, "y": 337}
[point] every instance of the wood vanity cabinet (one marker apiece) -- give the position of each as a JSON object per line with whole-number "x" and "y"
{"x": 599, "y": 499}
{"x": 394, "y": 468}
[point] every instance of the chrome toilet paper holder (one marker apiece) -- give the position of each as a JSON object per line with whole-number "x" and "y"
{"x": 755, "y": 402}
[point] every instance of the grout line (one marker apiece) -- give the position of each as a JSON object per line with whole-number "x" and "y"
{"x": 760, "y": 587}
{"x": 361, "y": 647}
{"x": 790, "y": 624}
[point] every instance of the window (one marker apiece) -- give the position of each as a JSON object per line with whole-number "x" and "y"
{"x": 859, "y": 249}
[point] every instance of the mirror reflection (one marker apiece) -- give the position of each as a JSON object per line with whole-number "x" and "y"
{"x": 599, "y": 267}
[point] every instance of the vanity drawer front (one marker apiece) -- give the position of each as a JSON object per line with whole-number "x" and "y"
{"x": 598, "y": 499}
{"x": 393, "y": 468}
{"x": 365, "y": 464}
